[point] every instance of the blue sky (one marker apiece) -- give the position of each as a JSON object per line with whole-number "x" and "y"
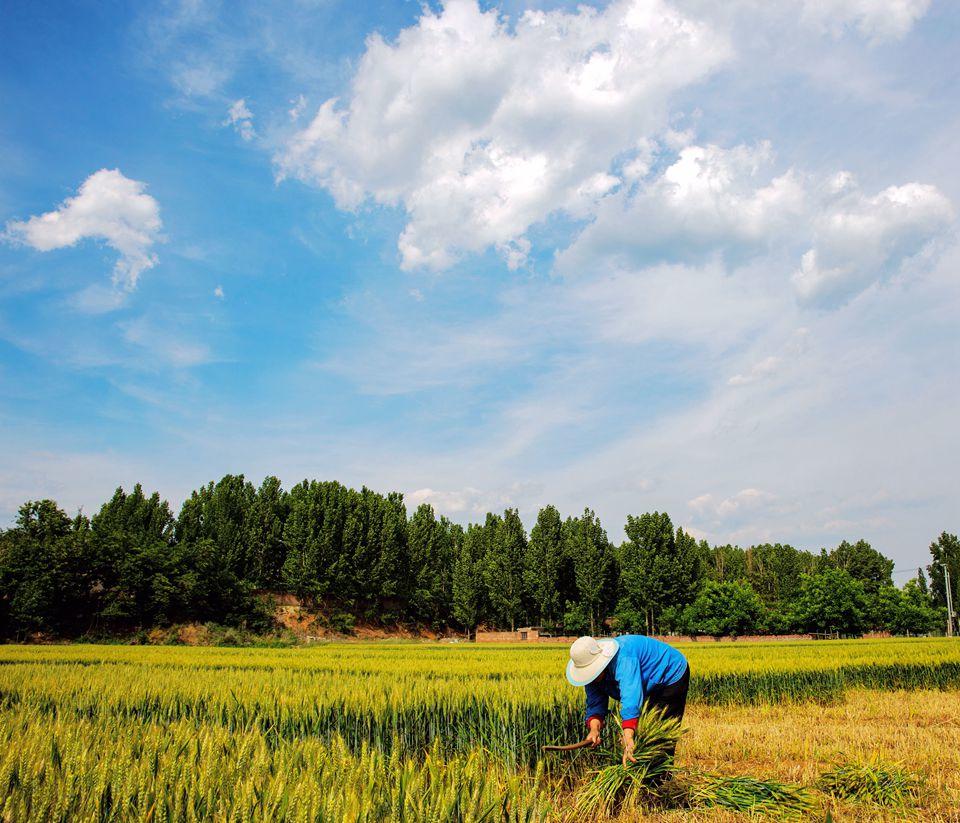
{"x": 679, "y": 255}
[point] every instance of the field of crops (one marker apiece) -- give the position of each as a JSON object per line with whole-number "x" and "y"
{"x": 444, "y": 732}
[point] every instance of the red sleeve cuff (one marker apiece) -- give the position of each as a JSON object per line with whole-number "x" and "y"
{"x": 594, "y": 717}
{"x": 629, "y": 724}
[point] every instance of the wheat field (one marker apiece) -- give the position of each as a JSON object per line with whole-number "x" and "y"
{"x": 424, "y": 732}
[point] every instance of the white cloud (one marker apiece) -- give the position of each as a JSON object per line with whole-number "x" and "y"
{"x": 709, "y": 198}
{"x": 218, "y": 292}
{"x": 686, "y": 305}
{"x": 860, "y": 239}
{"x": 97, "y": 299}
{"x": 759, "y": 371}
{"x": 774, "y": 364}
{"x": 701, "y": 305}
{"x": 469, "y": 501}
{"x": 199, "y": 79}
{"x": 108, "y": 207}
{"x": 479, "y": 131}
{"x": 712, "y": 199}
{"x": 166, "y": 344}
{"x": 463, "y": 501}
{"x": 297, "y": 107}
{"x": 745, "y": 500}
{"x": 876, "y": 20}
{"x": 241, "y": 118}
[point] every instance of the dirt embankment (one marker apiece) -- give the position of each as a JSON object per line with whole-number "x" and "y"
{"x": 309, "y": 624}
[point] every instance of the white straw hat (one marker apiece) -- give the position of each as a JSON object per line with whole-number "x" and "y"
{"x": 589, "y": 657}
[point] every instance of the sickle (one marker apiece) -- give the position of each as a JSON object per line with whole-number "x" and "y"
{"x": 569, "y": 748}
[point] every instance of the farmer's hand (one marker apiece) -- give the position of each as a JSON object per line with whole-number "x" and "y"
{"x": 628, "y": 747}
{"x": 594, "y": 734}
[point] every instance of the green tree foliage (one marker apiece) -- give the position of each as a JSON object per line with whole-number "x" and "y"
{"x": 548, "y": 572}
{"x": 507, "y": 548}
{"x": 908, "y": 611}
{"x": 316, "y": 565}
{"x": 375, "y": 552}
{"x": 833, "y": 601}
{"x": 726, "y": 563}
{"x": 433, "y": 546}
{"x": 347, "y": 546}
{"x": 264, "y": 526}
{"x": 219, "y": 512}
{"x": 660, "y": 568}
{"x": 945, "y": 552}
{"x": 729, "y": 608}
{"x": 916, "y": 614}
{"x": 594, "y": 566}
{"x": 356, "y": 553}
{"x": 775, "y": 571}
{"x": 864, "y": 563}
{"x": 45, "y": 571}
{"x": 136, "y": 570}
{"x": 470, "y": 607}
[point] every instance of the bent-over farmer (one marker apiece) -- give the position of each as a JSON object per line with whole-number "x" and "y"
{"x": 634, "y": 669}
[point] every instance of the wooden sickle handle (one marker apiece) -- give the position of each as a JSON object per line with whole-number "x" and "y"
{"x": 569, "y": 748}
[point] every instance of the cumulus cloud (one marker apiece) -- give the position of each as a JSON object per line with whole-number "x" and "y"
{"x": 708, "y": 198}
{"x": 712, "y": 199}
{"x": 479, "y": 130}
{"x": 109, "y": 207}
{"x": 241, "y": 118}
{"x": 859, "y": 239}
{"x": 877, "y": 20}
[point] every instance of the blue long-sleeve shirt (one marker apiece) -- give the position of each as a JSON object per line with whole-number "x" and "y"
{"x": 640, "y": 664}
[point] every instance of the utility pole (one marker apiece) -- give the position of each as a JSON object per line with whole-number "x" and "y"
{"x": 946, "y": 583}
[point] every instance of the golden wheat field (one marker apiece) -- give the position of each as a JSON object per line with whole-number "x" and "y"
{"x": 841, "y": 730}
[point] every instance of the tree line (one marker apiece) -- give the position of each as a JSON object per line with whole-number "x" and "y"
{"x": 358, "y": 555}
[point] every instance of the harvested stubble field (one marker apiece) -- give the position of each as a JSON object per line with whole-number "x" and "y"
{"x": 425, "y": 732}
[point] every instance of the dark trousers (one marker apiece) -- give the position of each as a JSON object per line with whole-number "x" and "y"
{"x": 672, "y": 699}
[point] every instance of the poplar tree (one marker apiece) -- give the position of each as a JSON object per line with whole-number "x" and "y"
{"x": 265, "y": 521}
{"x": 469, "y": 585}
{"x": 594, "y": 565}
{"x": 660, "y": 568}
{"x": 507, "y": 547}
{"x": 945, "y": 552}
{"x": 430, "y": 543}
{"x": 545, "y": 566}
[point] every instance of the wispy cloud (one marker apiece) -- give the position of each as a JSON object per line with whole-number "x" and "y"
{"x": 241, "y": 118}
